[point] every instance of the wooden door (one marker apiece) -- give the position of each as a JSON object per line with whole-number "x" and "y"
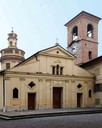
{"x": 31, "y": 101}
{"x": 57, "y": 97}
{"x": 79, "y": 99}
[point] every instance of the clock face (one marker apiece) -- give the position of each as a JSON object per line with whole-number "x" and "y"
{"x": 74, "y": 47}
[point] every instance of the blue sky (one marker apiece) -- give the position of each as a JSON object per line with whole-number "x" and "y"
{"x": 39, "y": 22}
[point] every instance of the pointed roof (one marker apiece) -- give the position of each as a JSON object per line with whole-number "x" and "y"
{"x": 82, "y": 13}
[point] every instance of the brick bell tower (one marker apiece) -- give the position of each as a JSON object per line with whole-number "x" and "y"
{"x": 11, "y": 55}
{"x": 82, "y": 37}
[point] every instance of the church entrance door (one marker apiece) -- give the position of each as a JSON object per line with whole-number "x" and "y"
{"x": 57, "y": 91}
{"x": 31, "y": 101}
{"x": 79, "y": 99}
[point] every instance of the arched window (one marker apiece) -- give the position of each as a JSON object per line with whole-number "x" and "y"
{"x": 57, "y": 70}
{"x": 75, "y": 33}
{"x": 15, "y": 93}
{"x": 90, "y": 30}
{"x": 61, "y": 70}
{"x": 90, "y": 55}
{"x": 90, "y": 94}
{"x": 53, "y": 70}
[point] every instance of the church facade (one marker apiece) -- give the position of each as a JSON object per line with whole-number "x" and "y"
{"x": 46, "y": 80}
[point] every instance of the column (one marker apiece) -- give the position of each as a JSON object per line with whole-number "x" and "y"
{"x": 23, "y": 97}
{"x": 48, "y": 94}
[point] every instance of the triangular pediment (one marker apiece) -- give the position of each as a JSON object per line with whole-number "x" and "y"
{"x": 57, "y": 51}
{"x": 57, "y": 61}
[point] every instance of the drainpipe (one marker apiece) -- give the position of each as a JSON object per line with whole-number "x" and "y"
{"x": 36, "y": 57}
{"x": 4, "y": 109}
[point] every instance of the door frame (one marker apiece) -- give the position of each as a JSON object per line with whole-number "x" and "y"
{"x": 34, "y": 97}
{"x": 79, "y": 99}
{"x": 61, "y": 97}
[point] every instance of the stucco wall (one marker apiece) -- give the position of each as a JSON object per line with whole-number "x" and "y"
{"x": 1, "y": 92}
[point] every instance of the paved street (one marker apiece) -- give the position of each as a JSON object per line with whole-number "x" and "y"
{"x": 72, "y": 121}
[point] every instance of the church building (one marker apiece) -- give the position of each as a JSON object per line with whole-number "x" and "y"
{"x": 49, "y": 78}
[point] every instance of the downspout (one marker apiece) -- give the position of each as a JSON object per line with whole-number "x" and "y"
{"x": 36, "y": 57}
{"x": 37, "y": 60}
{"x": 4, "y": 110}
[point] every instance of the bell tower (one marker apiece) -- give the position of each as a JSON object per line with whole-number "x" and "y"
{"x": 82, "y": 37}
{"x": 11, "y": 55}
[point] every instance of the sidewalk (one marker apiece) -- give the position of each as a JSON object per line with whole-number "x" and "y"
{"x": 47, "y": 113}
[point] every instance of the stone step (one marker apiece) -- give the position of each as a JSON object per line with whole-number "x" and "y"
{"x": 39, "y": 115}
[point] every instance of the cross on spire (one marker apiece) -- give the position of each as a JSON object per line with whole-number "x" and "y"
{"x": 12, "y": 29}
{"x": 56, "y": 40}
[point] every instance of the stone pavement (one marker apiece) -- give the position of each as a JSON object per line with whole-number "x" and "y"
{"x": 72, "y": 121}
{"x": 47, "y": 113}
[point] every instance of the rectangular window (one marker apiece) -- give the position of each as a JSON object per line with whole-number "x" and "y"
{"x": 7, "y": 65}
{"x": 90, "y": 55}
{"x": 98, "y": 87}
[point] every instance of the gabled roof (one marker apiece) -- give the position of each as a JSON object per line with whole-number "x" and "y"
{"x": 92, "y": 62}
{"x": 83, "y": 12}
{"x": 44, "y": 50}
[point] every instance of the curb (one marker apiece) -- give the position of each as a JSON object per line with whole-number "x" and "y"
{"x": 40, "y": 115}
